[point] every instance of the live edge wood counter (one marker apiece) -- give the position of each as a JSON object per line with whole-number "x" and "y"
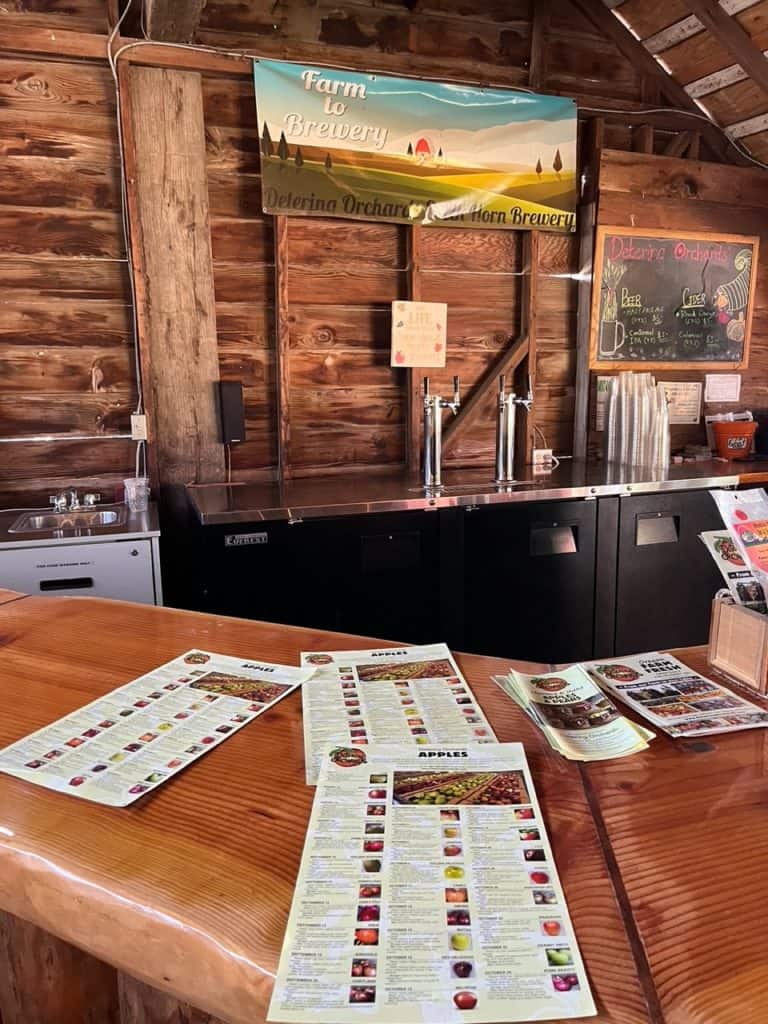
{"x": 172, "y": 911}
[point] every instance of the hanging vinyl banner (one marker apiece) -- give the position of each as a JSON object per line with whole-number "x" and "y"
{"x": 373, "y": 147}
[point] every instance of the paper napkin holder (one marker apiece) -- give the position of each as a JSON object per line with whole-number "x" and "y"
{"x": 738, "y": 643}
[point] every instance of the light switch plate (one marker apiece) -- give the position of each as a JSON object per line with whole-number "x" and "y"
{"x": 138, "y": 426}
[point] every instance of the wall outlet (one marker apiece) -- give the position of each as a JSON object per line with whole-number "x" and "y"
{"x": 542, "y": 458}
{"x": 138, "y": 426}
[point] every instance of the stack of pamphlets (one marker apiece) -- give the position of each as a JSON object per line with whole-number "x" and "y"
{"x": 674, "y": 697}
{"x": 576, "y": 717}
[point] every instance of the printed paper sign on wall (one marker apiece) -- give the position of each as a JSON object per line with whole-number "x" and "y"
{"x": 418, "y": 333}
{"x": 372, "y": 147}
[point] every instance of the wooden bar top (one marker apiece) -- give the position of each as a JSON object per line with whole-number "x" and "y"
{"x": 188, "y": 890}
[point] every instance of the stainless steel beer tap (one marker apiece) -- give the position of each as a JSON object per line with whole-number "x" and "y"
{"x": 433, "y": 433}
{"x": 505, "y": 430}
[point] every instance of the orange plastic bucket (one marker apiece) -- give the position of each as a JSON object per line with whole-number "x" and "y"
{"x": 734, "y": 440}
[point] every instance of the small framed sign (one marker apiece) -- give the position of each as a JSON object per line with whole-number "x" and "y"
{"x": 418, "y": 333}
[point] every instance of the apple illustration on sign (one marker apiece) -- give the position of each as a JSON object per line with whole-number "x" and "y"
{"x": 399, "y": 356}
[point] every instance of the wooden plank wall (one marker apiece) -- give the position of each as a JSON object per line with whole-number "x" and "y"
{"x": 647, "y": 191}
{"x": 347, "y": 405}
{"x": 66, "y": 359}
{"x": 66, "y": 348}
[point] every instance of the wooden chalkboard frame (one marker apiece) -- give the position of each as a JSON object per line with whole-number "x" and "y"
{"x": 631, "y": 364}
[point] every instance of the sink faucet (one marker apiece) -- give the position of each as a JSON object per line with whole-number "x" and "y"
{"x": 433, "y": 433}
{"x": 69, "y": 501}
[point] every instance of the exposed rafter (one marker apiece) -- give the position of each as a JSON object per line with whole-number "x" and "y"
{"x": 173, "y": 21}
{"x": 609, "y": 25}
{"x": 733, "y": 38}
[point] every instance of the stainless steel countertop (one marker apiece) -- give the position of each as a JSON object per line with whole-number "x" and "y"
{"x": 137, "y": 526}
{"x": 319, "y": 497}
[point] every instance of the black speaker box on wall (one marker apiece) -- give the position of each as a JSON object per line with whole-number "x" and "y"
{"x": 232, "y": 411}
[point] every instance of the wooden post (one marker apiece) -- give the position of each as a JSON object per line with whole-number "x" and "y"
{"x": 587, "y": 218}
{"x": 282, "y": 348}
{"x": 413, "y": 402}
{"x": 164, "y": 142}
{"x": 642, "y": 138}
{"x": 537, "y": 65}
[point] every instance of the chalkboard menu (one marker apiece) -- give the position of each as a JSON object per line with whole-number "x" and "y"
{"x": 665, "y": 298}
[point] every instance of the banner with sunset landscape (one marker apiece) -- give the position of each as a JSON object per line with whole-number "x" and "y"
{"x": 373, "y": 147}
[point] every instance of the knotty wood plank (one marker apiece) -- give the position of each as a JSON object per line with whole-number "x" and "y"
{"x": 282, "y": 348}
{"x": 65, "y": 369}
{"x": 43, "y": 980}
{"x": 672, "y": 178}
{"x": 171, "y": 250}
{"x": 45, "y": 232}
{"x": 38, "y": 280}
{"x": 32, "y": 413}
{"x": 56, "y": 182}
{"x": 32, "y": 460}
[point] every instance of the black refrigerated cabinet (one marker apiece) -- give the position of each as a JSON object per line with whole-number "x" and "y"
{"x": 545, "y": 581}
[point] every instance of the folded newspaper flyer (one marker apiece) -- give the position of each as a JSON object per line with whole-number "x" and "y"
{"x": 427, "y": 894}
{"x": 576, "y": 717}
{"x": 674, "y": 697}
{"x": 390, "y": 695}
{"x": 744, "y": 588}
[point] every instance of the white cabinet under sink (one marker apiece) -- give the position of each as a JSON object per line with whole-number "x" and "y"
{"x": 121, "y": 562}
{"x": 122, "y": 569}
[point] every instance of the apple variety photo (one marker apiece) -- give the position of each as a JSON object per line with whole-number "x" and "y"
{"x": 362, "y": 994}
{"x": 559, "y": 957}
{"x": 363, "y": 968}
{"x": 465, "y": 1000}
{"x": 368, "y": 912}
{"x": 565, "y": 982}
{"x": 366, "y": 936}
{"x": 463, "y": 968}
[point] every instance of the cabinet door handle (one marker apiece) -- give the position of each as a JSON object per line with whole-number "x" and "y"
{"x": 77, "y": 583}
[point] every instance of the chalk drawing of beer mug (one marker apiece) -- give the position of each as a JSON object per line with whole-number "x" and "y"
{"x": 612, "y": 337}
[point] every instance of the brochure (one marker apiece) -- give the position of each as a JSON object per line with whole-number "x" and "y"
{"x": 745, "y": 514}
{"x": 576, "y": 717}
{"x": 742, "y": 584}
{"x": 427, "y": 892}
{"x": 391, "y": 695}
{"x": 674, "y": 697}
{"x": 135, "y": 738}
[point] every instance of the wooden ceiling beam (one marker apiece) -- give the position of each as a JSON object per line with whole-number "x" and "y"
{"x": 173, "y": 21}
{"x": 733, "y": 38}
{"x": 609, "y": 25}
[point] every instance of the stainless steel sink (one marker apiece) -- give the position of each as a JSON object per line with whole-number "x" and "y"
{"x": 83, "y": 519}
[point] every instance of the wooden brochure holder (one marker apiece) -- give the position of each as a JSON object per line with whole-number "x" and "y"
{"x": 738, "y": 643}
